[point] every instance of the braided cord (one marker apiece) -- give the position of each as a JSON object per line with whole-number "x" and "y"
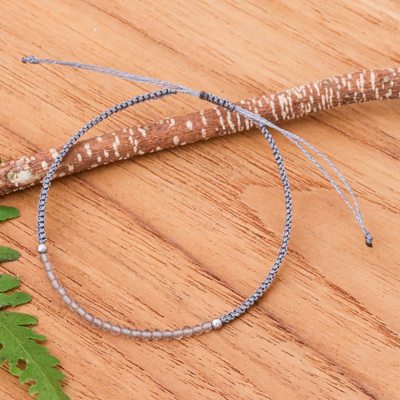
{"x": 242, "y": 308}
{"x": 41, "y": 215}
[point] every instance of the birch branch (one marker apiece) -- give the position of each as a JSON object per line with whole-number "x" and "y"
{"x": 172, "y": 132}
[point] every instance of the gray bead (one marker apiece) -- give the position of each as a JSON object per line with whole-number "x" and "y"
{"x": 187, "y": 331}
{"x": 157, "y": 334}
{"x": 146, "y": 334}
{"x": 107, "y": 326}
{"x": 167, "y": 335}
{"x": 50, "y": 276}
{"x": 55, "y": 284}
{"x": 88, "y": 318}
{"x": 197, "y": 330}
{"x": 207, "y": 326}
{"x": 97, "y": 323}
{"x": 44, "y": 258}
{"x": 80, "y": 312}
{"x": 216, "y": 323}
{"x": 74, "y": 305}
{"x": 116, "y": 330}
{"x": 177, "y": 334}
{"x": 48, "y": 266}
{"x": 67, "y": 300}
{"x": 136, "y": 334}
{"x": 62, "y": 291}
{"x": 42, "y": 248}
{"x": 126, "y": 332}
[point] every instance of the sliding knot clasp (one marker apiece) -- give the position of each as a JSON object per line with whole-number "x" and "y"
{"x": 218, "y": 101}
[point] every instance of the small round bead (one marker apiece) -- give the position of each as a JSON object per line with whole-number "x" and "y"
{"x": 207, "y": 326}
{"x": 187, "y": 331}
{"x": 42, "y": 248}
{"x": 126, "y": 332}
{"x": 66, "y": 300}
{"x": 116, "y": 330}
{"x": 88, "y": 318}
{"x": 167, "y": 335}
{"x": 97, "y": 323}
{"x": 55, "y": 284}
{"x": 44, "y": 258}
{"x": 177, "y": 334}
{"x": 48, "y": 266}
{"x": 74, "y": 305}
{"x": 80, "y": 312}
{"x": 50, "y": 276}
{"x": 107, "y": 326}
{"x": 136, "y": 334}
{"x": 62, "y": 291}
{"x": 197, "y": 330}
{"x": 146, "y": 334}
{"x": 157, "y": 334}
{"x": 216, "y": 323}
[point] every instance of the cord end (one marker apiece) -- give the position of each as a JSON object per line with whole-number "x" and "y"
{"x": 368, "y": 239}
{"x": 30, "y": 60}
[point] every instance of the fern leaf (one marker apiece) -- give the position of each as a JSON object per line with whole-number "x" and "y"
{"x": 7, "y": 254}
{"x": 8, "y": 213}
{"x": 20, "y": 343}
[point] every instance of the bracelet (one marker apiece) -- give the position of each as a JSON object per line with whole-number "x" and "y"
{"x": 171, "y": 89}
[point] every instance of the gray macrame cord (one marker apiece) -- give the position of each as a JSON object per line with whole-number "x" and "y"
{"x": 262, "y": 123}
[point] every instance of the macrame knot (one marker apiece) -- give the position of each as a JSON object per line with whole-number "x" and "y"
{"x": 368, "y": 239}
{"x": 30, "y": 60}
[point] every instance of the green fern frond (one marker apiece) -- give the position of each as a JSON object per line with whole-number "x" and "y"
{"x": 20, "y": 343}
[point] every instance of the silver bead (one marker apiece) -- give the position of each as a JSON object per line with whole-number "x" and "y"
{"x": 97, "y": 323}
{"x": 197, "y": 330}
{"x": 42, "y": 248}
{"x": 48, "y": 266}
{"x": 88, "y": 318}
{"x": 107, "y": 326}
{"x": 146, "y": 334}
{"x": 44, "y": 258}
{"x": 167, "y": 335}
{"x": 156, "y": 334}
{"x": 74, "y": 305}
{"x": 216, "y": 323}
{"x": 187, "y": 331}
{"x": 177, "y": 334}
{"x": 55, "y": 284}
{"x": 67, "y": 300}
{"x": 207, "y": 326}
{"x": 50, "y": 276}
{"x": 136, "y": 334}
{"x": 62, "y": 291}
{"x": 116, "y": 330}
{"x": 80, "y": 312}
{"x": 126, "y": 332}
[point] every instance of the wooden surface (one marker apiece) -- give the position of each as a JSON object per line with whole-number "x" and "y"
{"x": 183, "y": 235}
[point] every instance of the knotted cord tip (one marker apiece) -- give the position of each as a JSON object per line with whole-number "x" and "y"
{"x": 30, "y": 60}
{"x": 368, "y": 239}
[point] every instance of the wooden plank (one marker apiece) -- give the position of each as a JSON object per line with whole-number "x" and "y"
{"x": 183, "y": 235}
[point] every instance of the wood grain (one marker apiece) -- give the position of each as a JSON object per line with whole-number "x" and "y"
{"x": 133, "y": 141}
{"x": 182, "y": 235}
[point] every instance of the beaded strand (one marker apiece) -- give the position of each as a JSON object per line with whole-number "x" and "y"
{"x": 115, "y": 329}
